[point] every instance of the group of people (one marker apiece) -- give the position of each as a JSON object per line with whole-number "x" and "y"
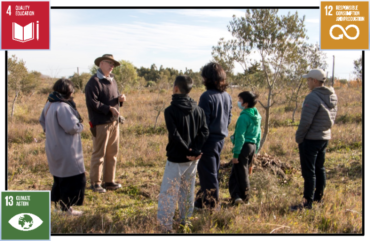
{"x": 196, "y": 135}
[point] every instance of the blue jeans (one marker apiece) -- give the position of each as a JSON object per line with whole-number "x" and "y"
{"x": 312, "y": 155}
{"x": 209, "y": 164}
{"x": 178, "y": 178}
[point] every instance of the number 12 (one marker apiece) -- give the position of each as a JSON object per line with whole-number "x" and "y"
{"x": 330, "y": 9}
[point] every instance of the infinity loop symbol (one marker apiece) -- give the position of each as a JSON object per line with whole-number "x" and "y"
{"x": 344, "y": 31}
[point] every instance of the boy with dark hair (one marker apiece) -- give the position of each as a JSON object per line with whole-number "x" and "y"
{"x": 246, "y": 140}
{"x": 187, "y": 132}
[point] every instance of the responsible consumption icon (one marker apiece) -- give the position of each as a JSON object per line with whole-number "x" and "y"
{"x": 344, "y": 25}
{"x": 344, "y": 32}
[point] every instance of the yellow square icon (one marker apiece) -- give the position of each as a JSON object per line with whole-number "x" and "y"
{"x": 344, "y": 25}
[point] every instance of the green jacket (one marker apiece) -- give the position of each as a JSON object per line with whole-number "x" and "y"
{"x": 248, "y": 129}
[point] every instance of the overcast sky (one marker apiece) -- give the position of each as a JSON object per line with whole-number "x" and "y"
{"x": 178, "y": 38}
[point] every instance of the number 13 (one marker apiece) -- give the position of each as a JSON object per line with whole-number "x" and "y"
{"x": 9, "y": 201}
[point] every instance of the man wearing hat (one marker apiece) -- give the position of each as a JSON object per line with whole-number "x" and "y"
{"x": 103, "y": 101}
{"x": 318, "y": 114}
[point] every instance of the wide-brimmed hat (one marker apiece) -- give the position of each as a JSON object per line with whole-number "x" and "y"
{"x": 317, "y": 74}
{"x": 106, "y": 57}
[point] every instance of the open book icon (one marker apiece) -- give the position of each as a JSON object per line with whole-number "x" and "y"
{"x": 23, "y": 34}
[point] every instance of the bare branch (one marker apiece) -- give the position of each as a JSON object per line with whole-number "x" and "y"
{"x": 263, "y": 106}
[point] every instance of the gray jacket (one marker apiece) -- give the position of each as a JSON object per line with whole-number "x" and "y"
{"x": 63, "y": 140}
{"x": 318, "y": 114}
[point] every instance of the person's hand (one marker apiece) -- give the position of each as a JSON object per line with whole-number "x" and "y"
{"x": 235, "y": 160}
{"x": 194, "y": 158}
{"x": 114, "y": 111}
{"x": 122, "y": 98}
{"x": 250, "y": 170}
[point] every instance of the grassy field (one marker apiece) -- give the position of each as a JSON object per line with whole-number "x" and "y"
{"x": 142, "y": 158}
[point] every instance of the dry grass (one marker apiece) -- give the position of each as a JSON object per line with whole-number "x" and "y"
{"x": 142, "y": 158}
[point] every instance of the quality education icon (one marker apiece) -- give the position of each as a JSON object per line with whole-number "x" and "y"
{"x": 344, "y": 25}
{"x": 26, "y": 33}
{"x": 25, "y": 25}
{"x": 25, "y": 215}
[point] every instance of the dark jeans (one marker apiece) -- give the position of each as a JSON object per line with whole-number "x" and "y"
{"x": 208, "y": 167}
{"x": 69, "y": 191}
{"x": 312, "y": 155}
{"x": 239, "y": 179}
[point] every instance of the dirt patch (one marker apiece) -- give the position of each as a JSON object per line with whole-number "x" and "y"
{"x": 267, "y": 162}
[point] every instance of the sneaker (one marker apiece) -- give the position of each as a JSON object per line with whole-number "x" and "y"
{"x": 98, "y": 188}
{"x": 304, "y": 205}
{"x": 186, "y": 222}
{"x": 74, "y": 212}
{"x": 111, "y": 185}
{"x": 167, "y": 230}
{"x": 238, "y": 201}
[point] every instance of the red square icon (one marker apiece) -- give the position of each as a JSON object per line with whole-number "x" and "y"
{"x": 25, "y": 25}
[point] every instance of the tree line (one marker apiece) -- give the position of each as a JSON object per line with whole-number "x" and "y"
{"x": 279, "y": 41}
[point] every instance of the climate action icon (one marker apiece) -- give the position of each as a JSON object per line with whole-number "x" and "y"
{"x": 340, "y": 36}
{"x": 25, "y": 221}
{"x": 26, "y": 33}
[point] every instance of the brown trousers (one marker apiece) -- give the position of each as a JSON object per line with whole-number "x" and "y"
{"x": 105, "y": 151}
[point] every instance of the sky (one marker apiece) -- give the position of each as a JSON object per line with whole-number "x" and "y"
{"x": 178, "y": 38}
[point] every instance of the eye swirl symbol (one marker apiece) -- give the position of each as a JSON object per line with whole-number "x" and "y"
{"x": 344, "y": 31}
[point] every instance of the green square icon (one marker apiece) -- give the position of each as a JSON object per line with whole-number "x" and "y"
{"x": 25, "y": 215}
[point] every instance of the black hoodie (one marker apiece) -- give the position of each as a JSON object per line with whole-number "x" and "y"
{"x": 187, "y": 128}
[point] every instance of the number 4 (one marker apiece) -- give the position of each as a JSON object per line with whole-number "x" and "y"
{"x": 9, "y": 10}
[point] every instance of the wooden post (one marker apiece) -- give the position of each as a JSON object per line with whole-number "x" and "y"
{"x": 332, "y": 81}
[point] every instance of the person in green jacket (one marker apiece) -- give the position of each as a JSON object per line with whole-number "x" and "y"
{"x": 246, "y": 140}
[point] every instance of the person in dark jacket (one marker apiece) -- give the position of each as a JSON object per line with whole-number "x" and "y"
{"x": 314, "y": 132}
{"x": 187, "y": 132}
{"x": 103, "y": 101}
{"x": 217, "y": 105}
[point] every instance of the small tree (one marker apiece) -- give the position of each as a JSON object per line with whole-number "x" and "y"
{"x": 18, "y": 78}
{"x": 273, "y": 38}
{"x": 305, "y": 57}
{"x": 358, "y": 68}
{"x": 30, "y": 83}
{"x": 79, "y": 81}
{"x": 125, "y": 74}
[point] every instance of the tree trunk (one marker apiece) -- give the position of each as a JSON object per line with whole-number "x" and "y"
{"x": 267, "y": 119}
{"x": 296, "y": 107}
{"x": 296, "y": 100}
{"x": 156, "y": 119}
{"x": 15, "y": 99}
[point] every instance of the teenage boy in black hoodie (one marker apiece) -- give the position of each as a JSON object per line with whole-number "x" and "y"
{"x": 187, "y": 132}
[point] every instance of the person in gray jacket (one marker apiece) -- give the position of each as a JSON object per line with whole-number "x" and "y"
{"x": 62, "y": 125}
{"x": 314, "y": 131}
